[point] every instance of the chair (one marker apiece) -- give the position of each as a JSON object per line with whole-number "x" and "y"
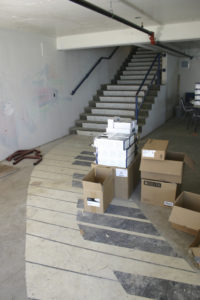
{"x": 196, "y": 118}
{"x": 188, "y": 110}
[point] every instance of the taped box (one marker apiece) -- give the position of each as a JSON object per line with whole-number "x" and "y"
{"x": 113, "y": 161}
{"x": 116, "y": 153}
{"x": 155, "y": 149}
{"x": 159, "y": 193}
{"x": 98, "y": 189}
{"x": 125, "y": 179}
{"x": 120, "y": 141}
{"x": 185, "y": 214}
{"x": 169, "y": 170}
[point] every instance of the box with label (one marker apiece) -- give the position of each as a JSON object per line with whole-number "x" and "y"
{"x": 125, "y": 179}
{"x": 116, "y": 126}
{"x": 120, "y": 141}
{"x": 155, "y": 149}
{"x": 98, "y": 189}
{"x": 114, "y": 161}
{"x": 185, "y": 214}
{"x": 169, "y": 170}
{"x": 158, "y": 192}
{"x": 114, "y": 153}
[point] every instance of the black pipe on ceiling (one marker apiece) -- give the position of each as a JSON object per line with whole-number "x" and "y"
{"x": 108, "y": 14}
{"x": 172, "y": 49}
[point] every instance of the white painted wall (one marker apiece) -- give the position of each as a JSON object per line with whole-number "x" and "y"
{"x": 129, "y": 36}
{"x": 35, "y": 85}
{"x": 157, "y": 115}
{"x": 188, "y": 77}
{"x": 163, "y": 108}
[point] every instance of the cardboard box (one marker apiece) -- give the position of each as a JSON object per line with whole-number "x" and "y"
{"x": 98, "y": 189}
{"x": 121, "y": 162}
{"x": 155, "y": 149}
{"x": 185, "y": 214}
{"x": 117, "y": 124}
{"x": 120, "y": 141}
{"x": 125, "y": 179}
{"x": 158, "y": 192}
{"x": 114, "y": 153}
{"x": 119, "y": 130}
{"x": 169, "y": 170}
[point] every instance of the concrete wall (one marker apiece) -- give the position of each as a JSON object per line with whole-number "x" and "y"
{"x": 172, "y": 88}
{"x": 163, "y": 108}
{"x": 189, "y": 76}
{"x": 35, "y": 84}
{"x": 157, "y": 115}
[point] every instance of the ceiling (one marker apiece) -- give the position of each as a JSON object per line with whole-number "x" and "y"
{"x": 63, "y": 18}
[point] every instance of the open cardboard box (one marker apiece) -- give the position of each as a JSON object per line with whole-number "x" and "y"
{"x": 185, "y": 214}
{"x": 155, "y": 149}
{"x": 98, "y": 189}
{"x": 125, "y": 179}
{"x": 169, "y": 170}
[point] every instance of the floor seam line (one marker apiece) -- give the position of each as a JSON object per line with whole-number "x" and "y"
{"x": 111, "y": 254}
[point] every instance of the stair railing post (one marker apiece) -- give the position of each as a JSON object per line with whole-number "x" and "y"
{"x": 136, "y": 110}
{"x": 158, "y": 72}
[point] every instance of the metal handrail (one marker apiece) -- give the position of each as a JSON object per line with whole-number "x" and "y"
{"x": 92, "y": 69}
{"x": 157, "y": 74}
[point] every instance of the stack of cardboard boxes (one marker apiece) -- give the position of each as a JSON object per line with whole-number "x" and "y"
{"x": 117, "y": 158}
{"x": 161, "y": 178}
{"x": 161, "y": 173}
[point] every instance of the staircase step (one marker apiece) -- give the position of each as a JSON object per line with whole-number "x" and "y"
{"x": 103, "y": 118}
{"x": 136, "y": 81}
{"x": 140, "y": 66}
{"x": 132, "y": 72}
{"x": 123, "y": 105}
{"x": 85, "y": 131}
{"x": 129, "y": 77}
{"x": 92, "y": 124}
{"x": 119, "y": 99}
{"x": 141, "y": 70}
{"x": 123, "y": 93}
{"x": 152, "y": 93}
{"x": 137, "y": 59}
{"x": 113, "y": 112}
{"x": 125, "y": 87}
{"x": 144, "y": 56}
{"x": 146, "y": 51}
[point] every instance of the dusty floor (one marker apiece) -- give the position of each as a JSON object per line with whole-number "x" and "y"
{"x": 105, "y": 264}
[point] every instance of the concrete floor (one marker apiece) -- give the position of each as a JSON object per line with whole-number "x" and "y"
{"x": 64, "y": 260}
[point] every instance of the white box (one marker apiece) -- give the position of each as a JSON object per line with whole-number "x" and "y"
{"x": 110, "y": 123}
{"x": 197, "y": 85}
{"x": 120, "y": 141}
{"x": 112, "y": 162}
{"x": 113, "y": 124}
{"x": 197, "y": 97}
{"x": 119, "y": 130}
{"x": 111, "y": 153}
{"x": 197, "y": 91}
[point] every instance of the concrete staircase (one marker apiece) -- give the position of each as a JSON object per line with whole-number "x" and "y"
{"x": 118, "y": 98}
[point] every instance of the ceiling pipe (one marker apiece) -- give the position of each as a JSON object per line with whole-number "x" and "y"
{"x": 108, "y": 14}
